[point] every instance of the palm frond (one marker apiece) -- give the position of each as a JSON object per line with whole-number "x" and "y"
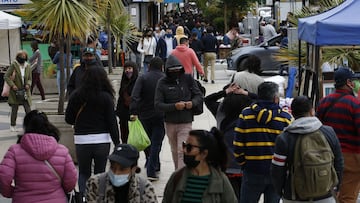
{"x": 61, "y": 17}
{"x": 338, "y": 56}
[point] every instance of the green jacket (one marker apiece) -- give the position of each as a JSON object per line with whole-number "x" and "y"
{"x": 218, "y": 191}
{"x": 18, "y": 81}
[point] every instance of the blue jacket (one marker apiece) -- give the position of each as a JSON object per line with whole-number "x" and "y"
{"x": 210, "y": 43}
{"x": 143, "y": 93}
{"x": 161, "y": 48}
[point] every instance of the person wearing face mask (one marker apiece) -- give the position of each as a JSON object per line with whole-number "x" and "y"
{"x": 128, "y": 79}
{"x": 56, "y": 61}
{"x": 177, "y": 94}
{"x": 21, "y": 82}
{"x": 341, "y": 111}
{"x": 121, "y": 183}
{"x": 89, "y": 59}
{"x": 158, "y": 32}
{"x": 165, "y": 45}
{"x": 147, "y": 47}
{"x": 202, "y": 179}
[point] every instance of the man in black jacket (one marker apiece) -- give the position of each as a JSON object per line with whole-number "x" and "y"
{"x": 177, "y": 94}
{"x": 282, "y": 163}
{"x": 211, "y": 48}
{"x": 89, "y": 60}
{"x": 142, "y": 106}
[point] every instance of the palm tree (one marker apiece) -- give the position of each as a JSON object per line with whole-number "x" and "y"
{"x": 121, "y": 28}
{"x": 108, "y": 12}
{"x": 64, "y": 19}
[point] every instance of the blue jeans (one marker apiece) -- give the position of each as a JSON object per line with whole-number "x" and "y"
{"x": 146, "y": 68}
{"x": 154, "y": 127}
{"x": 85, "y": 154}
{"x": 253, "y": 185}
{"x": 58, "y": 79}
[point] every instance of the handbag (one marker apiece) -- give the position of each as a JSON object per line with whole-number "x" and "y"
{"x": 199, "y": 109}
{"x": 6, "y": 88}
{"x": 73, "y": 196}
{"x": 148, "y": 58}
{"x": 20, "y": 95}
{"x": 137, "y": 135}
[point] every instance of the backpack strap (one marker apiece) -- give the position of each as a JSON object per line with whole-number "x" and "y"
{"x": 102, "y": 187}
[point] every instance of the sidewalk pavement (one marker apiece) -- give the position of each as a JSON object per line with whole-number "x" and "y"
{"x": 203, "y": 121}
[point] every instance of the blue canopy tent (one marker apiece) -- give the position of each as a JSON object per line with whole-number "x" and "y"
{"x": 336, "y": 27}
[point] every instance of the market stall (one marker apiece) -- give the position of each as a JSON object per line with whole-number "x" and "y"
{"x": 9, "y": 38}
{"x": 336, "y": 28}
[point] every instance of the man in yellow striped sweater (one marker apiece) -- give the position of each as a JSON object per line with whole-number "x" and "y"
{"x": 254, "y": 140}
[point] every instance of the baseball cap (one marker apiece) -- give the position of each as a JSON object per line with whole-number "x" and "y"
{"x": 89, "y": 50}
{"x": 124, "y": 154}
{"x": 344, "y": 73}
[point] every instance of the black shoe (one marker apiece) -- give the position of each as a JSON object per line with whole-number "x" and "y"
{"x": 153, "y": 178}
{"x": 205, "y": 80}
{"x": 212, "y": 82}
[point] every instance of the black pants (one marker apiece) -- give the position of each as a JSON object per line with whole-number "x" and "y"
{"x": 36, "y": 81}
{"x": 14, "y": 111}
{"x": 86, "y": 154}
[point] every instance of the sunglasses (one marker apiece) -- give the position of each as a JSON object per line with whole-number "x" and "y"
{"x": 188, "y": 147}
{"x": 89, "y": 49}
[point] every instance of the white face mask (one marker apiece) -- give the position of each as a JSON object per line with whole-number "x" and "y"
{"x": 118, "y": 180}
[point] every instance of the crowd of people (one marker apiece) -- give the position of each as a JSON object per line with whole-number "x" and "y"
{"x": 250, "y": 153}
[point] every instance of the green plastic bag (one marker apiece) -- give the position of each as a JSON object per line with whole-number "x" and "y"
{"x": 137, "y": 135}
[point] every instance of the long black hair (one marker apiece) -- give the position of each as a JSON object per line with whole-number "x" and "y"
{"x": 94, "y": 81}
{"x": 213, "y": 141}
{"x": 37, "y": 122}
{"x": 125, "y": 81}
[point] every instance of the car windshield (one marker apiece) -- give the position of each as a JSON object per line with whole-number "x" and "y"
{"x": 272, "y": 41}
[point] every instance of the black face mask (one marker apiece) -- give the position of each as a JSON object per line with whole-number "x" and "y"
{"x": 174, "y": 75}
{"x": 20, "y": 60}
{"x": 90, "y": 61}
{"x": 190, "y": 161}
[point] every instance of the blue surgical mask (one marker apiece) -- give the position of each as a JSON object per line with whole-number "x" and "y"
{"x": 118, "y": 180}
{"x": 168, "y": 35}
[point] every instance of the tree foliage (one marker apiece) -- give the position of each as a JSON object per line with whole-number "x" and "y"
{"x": 63, "y": 19}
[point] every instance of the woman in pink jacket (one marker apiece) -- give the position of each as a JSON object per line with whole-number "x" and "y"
{"x": 24, "y": 164}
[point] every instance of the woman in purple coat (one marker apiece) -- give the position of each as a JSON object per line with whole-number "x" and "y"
{"x": 24, "y": 164}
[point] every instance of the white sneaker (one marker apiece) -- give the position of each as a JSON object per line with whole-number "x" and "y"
{"x": 13, "y": 128}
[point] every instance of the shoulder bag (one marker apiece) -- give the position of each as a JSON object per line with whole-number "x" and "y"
{"x": 6, "y": 88}
{"x": 73, "y": 196}
{"x": 147, "y": 58}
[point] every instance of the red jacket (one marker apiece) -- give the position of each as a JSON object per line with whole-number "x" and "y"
{"x": 34, "y": 180}
{"x": 188, "y": 59}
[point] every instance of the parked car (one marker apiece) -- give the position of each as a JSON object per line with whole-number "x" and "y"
{"x": 264, "y": 51}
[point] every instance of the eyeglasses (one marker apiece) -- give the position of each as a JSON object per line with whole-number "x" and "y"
{"x": 188, "y": 147}
{"x": 89, "y": 49}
